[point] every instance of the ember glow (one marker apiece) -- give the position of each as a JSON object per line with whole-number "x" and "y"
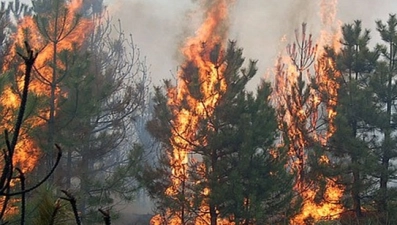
{"x": 306, "y": 114}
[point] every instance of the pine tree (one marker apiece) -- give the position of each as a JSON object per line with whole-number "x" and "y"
{"x": 57, "y": 26}
{"x": 106, "y": 85}
{"x": 351, "y": 144}
{"x": 384, "y": 87}
{"x": 90, "y": 89}
{"x": 235, "y": 138}
{"x": 296, "y": 109}
{"x": 250, "y": 184}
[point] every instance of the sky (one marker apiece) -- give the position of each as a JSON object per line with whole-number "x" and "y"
{"x": 159, "y": 27}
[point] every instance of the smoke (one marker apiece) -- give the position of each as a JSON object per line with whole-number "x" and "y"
{"x": 157, "y": 28}
{"x": 160, "y": 27}
{"x": 263, "y": 28}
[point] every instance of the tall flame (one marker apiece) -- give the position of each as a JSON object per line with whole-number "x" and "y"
{"x": 302, "y": 119}
{"x": 27, "y": 152}
{"x": 188, "y": 107}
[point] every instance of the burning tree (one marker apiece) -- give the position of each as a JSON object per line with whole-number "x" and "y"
{"x": 99, "y": 112}
{"x": 305, "y": 97}
{"x": 12, "y": 85}
{"x": 213, "y": 134}
{"x": 11, "y": 164}
{"x": 297, "y": 105}
{"x": 337, "y": 119}
{"x": 86, "y": 87}
{"x": 231, "y": 169}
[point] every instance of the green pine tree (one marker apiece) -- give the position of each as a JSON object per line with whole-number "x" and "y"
{"x": 250, "y": 184}
{"x": 351, "y": 144}
{"x": 384, "y": 88}
{"x": 235, "y": 168}
{"x": 94, "y": 89}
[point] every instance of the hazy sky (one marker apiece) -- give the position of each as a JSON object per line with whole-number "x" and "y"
{"x": 160, "y": 26}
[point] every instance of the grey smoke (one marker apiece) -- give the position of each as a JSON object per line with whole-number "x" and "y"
{"x": 160, "y": 26}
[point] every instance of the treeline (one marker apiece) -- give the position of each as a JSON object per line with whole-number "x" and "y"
{"x": 223, "y": 154}
{"x": 86, "y": 89}
{"x": 340, "y": 128}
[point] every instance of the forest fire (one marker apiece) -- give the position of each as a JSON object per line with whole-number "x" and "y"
{"x": 308, "y": 115}
{"x": 217, "y": 143}
{"x": 27, "y": 152}
{"x": 210, "y": 37}
{"x": 305, "y": 115}
{"x": 48, "y": 39}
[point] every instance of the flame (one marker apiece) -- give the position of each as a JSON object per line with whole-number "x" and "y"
{"x": 27, "y": 152}
{"x": 301, "y": 118}
{"x": 328, "y": 209}
{"x": 210, "y": 36}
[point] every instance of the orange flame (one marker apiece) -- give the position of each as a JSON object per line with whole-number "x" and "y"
{"x": 302, "y": 117}
{"x": 326, "y": 75}
{"x": 27, "y": 152}
{"x": 210, "y": 36}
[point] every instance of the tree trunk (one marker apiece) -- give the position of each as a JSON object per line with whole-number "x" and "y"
{"x": 382, "y": 205}
{"x": 384, "y": 177}
{"x": 68, "y": 172}
{"x": 212, "y": 206}
{"x": 356, "y": 186}
{"x": 356, "y": 189}
{"x": 213, "y": 213}
{"x": 84, "y": 189}
{"x": 184, "y": 197}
